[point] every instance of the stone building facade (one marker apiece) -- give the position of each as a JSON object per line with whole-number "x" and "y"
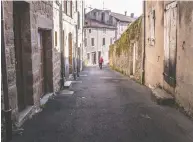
{"x": 29, "y": 61}
{"x": 68, "y": 37}
{"x": 36, "y": 62}
{"x": 169, "y": 46}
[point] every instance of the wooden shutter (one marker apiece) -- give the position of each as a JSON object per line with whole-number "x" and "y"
{"x": 65, "y": 7}
{"x": 71, "y": 8}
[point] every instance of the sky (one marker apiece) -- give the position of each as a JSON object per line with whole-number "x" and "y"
{"x": 119, "y": 6}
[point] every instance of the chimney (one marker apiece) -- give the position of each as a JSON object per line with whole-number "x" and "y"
{"x": 132, "y": 15}
{"x": 125, "y": 13}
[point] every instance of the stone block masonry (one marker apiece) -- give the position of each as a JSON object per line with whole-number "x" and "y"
{"x": 23, "y": 56}
{"x": 125, "y": 54}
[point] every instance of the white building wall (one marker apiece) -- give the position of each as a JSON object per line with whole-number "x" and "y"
{"x": 69, "y": 26}
{"x": 56, "y": 25}
{"x": 80, "y": 31}
{"x": 98, "y": 34}
{"x": 121, "y": 27}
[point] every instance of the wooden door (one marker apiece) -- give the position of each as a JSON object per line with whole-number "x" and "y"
{"x": 41, "y": 71}
{"x": 170, "y": 43}
{"x": 19, "y": 55}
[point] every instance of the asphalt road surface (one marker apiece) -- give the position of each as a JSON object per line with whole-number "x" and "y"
{"x": 106, "y": 107}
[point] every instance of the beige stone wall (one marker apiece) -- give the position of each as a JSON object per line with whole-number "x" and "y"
{"x": 154, "y": 62}
{"x": 38, "y": 15}
{"x": 184, "y": 68}
{"x": 154, "y": 53}
{"x": 122, "y": 52}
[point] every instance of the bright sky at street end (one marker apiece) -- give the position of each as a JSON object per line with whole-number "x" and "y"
{"x": 119, "y": 6}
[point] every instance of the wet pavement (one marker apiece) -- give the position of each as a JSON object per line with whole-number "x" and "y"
{"x": 106, "y": 107}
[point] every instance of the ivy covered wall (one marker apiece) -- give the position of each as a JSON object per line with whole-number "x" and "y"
{"x": 125, "y": 55}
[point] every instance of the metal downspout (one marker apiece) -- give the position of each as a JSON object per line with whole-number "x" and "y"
{"x": 61, "y": 44}
{"x": 144, "y": 42}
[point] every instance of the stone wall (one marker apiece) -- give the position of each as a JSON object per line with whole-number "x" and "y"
{"x": 125, "y": 54}
{"x": 184, "y": 67}
{"x": 41, "y": 18}
{"x": 10, "y": 55}
{"x": 154, "y": 62}
{"x": 36, "y": 15}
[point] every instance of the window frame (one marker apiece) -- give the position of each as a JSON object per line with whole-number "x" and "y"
{"x": 85, "y": 42}
{"x": 92, "y": 41}
{"x": 103, "y": 41}
{"x": 56, "y": 38}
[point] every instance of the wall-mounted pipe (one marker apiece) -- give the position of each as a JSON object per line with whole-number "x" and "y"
{"x": 144, "y": 42}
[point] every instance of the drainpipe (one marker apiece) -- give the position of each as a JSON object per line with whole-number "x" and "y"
{"x": 82, "y": 54}
{"x": 144, "y": 42}
{"x": 7, "y": 110}
{"x": 74, "y": 56}
{"x": 61, "y": 44}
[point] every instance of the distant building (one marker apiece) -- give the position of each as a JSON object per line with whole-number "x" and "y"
{"x": 102, "y": 28}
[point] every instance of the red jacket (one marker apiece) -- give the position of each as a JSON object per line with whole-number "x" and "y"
{"x": 101, "y": 60}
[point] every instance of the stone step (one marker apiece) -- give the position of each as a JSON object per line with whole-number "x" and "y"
{"x": 67, "y": 84}
{"x": 162, "y": 97}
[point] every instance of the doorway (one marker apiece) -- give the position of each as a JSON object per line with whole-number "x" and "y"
{"x": 20, "y": 19}
{"x": 42, "y": 73}
{"x": 93, "y": 58}
{"x": 170, "y": 43}
{"x": 99, "y": 55}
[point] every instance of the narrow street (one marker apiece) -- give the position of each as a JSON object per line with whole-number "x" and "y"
{"x": 106, "y": 107}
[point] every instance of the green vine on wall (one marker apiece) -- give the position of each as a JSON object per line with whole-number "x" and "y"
{"x": 123, "y": 44}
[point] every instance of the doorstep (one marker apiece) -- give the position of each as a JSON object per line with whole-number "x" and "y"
{"x": 24, "y": 115}
{"x": 162, "y": 97}
{"x": 31, "y": 110}
{"x": 45, "y": 98}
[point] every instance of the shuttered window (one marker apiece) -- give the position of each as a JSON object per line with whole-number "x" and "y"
{"x": 68, "y": 7}
{"x": 78, "y": 20}
{"x": 56, "y": 39}
{"x": 92, "y": 41}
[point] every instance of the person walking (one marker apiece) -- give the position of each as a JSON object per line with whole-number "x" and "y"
{"x": 101, "y": 62}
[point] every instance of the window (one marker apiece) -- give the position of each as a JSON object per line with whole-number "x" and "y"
{"x": 111, "y": 40}
{"x": 104, "y": 30}
{"x": 68, "y": 7}
{"x": 94, "y": 14}
{"x": 65, "y": 7}
{"x": 103, "y": 17}
{"x": 78, "y": 20}
{"x": 85, "y": 42}
{"x": 92, "y": 41}
{"x": 85, "y": 33}
{"x": 57, "y": 2}
{"x": 76, "y": 5}
{"x": 56, "y": 38}
{"x": 88, "y": 56}
{"x": 103, "y": 41}
{"x": 89, "y": 30}
{"x": 151, "y": 37}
